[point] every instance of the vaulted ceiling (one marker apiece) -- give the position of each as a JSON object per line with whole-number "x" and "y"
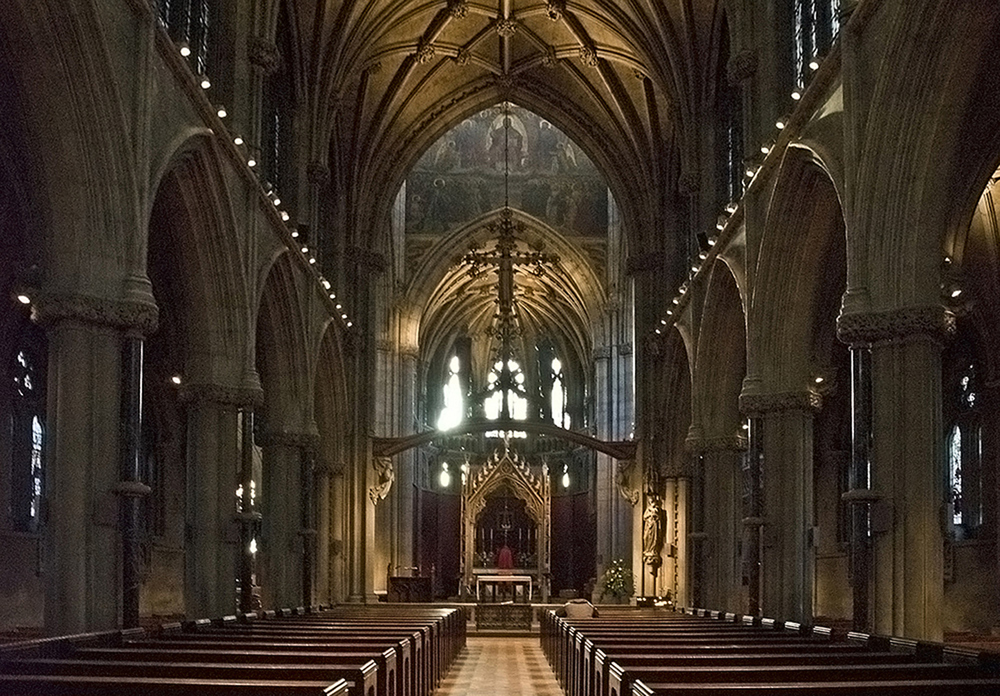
{"x": 626, "y": 79}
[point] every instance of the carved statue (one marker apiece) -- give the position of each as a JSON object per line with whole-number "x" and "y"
{"x": 652, "y": 532}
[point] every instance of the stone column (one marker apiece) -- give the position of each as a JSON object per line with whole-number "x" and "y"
{"x": 82, "y": 526}
{"x": 131, "y": 489}
{"x": 906, "y": 488}
{"x": 284, "y": 554}
{"x": 214, "y": 471}
{"x": 720, "y": 529}
{"x": 788, "y": 558}
{"x": 322, "y": 475}
{"x": 248, "y": 516}
{"x": 860, "y": 496}
{"x": 338, "y": 518}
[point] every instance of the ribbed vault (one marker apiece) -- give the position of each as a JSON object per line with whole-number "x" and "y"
{"x": 624, "y": 79}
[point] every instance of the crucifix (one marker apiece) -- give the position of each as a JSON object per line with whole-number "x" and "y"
{"x": 505, "y": 258}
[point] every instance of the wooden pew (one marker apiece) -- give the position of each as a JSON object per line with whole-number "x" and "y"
{"x": 297, "y": 652}
{"x": 736, "y": 655}
{"x": 82, "y": 685}
{"x": 360, "y": 676}
{"x": 655, "y": 657}
{"x": 621, "y": 678}
{"x": 931, "y": 687}
{"x": 387, "y": 676}
{"x": 416, "y": 659}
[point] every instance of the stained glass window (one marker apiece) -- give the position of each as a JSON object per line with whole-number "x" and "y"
{"x": 964, "y": 457}
{"x": 27, "y": 429}
{"x": 454, "y": 401}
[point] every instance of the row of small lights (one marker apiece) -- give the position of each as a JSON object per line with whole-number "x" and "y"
{"x": 270, "y": 194}
{"x": 205, "y": 83}
{"x": 752, "y": 169}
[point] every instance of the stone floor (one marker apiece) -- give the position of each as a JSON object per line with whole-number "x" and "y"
{"x": 497, "y": 665}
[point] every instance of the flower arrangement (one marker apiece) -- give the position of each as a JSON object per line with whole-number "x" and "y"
{"x": 617, "y": 580}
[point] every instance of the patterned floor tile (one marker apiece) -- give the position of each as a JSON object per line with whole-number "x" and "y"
{"x": 490, "y": 666}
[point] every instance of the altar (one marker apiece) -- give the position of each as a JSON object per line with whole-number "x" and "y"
{"x": 505, "y": 529}
{"x": 524, "y": 582}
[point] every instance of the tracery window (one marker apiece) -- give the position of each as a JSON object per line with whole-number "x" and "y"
{"x": 506, "y": 384}
{"x": 557, "y": 397}
{"x": 27, "y": 428}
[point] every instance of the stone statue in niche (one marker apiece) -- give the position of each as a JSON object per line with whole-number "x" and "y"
{"x": 652, "y": 531}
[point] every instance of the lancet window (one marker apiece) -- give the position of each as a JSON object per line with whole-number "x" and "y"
{"x": 815, "y": 25}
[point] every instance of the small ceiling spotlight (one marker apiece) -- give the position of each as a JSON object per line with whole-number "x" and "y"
{"x": 205, "y": 82}
{"x": 797, "y": 94}
{"x": 238, "y": 140}
{"x": 781, "y": 122}
{"x": 23, "y": 298}
{"x": 814, "y": 64}
{"x": 185, "y": 49}
{"x": 176, "y": 379}
{"x": 221, "y": 112}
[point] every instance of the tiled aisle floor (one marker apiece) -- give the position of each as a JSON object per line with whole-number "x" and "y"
{"x": 492, "y": 666}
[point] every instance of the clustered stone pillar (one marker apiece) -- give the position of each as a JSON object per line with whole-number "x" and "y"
{"x": 905, "y": 492}
{"x": 248, "y": 517}
{"x": 89, "y": 536}
{"x": 859, "y": 495}
{"x": 753, "y": 513}
{"x": 215, "y": 467}
{"x": 289, "y": 532}
{"x": 788, "y": 557}
{"x": 131, "y": 489}
{"x": 717, "y": 581}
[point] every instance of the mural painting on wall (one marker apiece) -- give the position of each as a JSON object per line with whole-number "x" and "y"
{"x": 460, "y": 177}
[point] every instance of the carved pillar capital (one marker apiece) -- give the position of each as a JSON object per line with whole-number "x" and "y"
{"x": 755, "y": 405}
{"x": 932, "y": 321}
{"x": 237, "y": 397}
{"x": 714, "y": 445}
{"x": 308, "y": 442}
{"x": 51, "y": 308}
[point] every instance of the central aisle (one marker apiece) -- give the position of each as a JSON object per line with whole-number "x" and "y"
{"x": 490, "y": 666}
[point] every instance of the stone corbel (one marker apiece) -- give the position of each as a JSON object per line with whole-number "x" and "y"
{"x": 385, "y": 474}
{"x": 623, "y": 469}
